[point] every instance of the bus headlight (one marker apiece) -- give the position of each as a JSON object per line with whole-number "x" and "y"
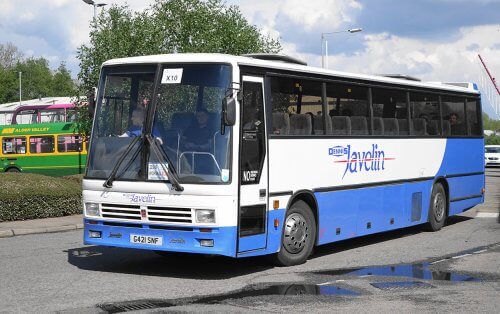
{"x": 205, "y": 215}
{"x": 92, "y": 209}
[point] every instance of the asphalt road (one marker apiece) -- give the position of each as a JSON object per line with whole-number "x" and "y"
{"x": 454, "y": 270}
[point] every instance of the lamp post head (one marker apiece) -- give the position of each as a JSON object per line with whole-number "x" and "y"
{"x": 355, "y": 30}
{"x": 88, "y": 2}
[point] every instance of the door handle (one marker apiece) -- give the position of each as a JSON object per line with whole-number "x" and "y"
{"x": 262, "y": 193}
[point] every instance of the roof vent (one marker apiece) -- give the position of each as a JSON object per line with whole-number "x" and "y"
{"x": 401, "y": 77}
{"x": 275, "y": 57}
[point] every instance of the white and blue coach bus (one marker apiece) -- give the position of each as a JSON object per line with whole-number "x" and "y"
{"x": 254, "y": 155}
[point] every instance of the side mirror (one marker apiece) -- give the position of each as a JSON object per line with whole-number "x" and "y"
{"x": 229, "y": 111}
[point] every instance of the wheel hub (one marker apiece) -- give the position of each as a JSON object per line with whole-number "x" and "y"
{"x": 296, "y": 233}
{"x": 439, "y": 207}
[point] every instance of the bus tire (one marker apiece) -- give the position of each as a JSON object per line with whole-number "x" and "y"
{"x": 299, "y": 234}
{"x": 437, "y": 208}
{"x": 12, "y": 170}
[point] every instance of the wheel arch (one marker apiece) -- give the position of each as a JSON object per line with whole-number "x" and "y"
{"x": 309, "y": 198}
{"x": 17, "y": 168}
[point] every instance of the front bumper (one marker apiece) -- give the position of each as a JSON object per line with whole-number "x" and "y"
{"x": 175, "y": 239}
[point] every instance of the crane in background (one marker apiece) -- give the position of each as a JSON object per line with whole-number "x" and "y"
{"x": 489, "y": 87}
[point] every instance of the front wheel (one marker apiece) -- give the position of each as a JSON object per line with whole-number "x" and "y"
{"x": 437, "y": 208}
{"x": 12, "y": 170}
{"x": 299, "y": 234}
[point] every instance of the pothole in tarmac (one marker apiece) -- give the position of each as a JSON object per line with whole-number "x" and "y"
{"x": 334, "y": 288}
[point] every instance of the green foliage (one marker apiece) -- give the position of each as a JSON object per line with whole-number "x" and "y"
{"x": 37, "y": 79}
{"x": 62, "y": 84}
{"x": 31, "y": 196}
{"x": 492, "y": 140}
{"x": 490, "y": 124}
{"x": 168, "y": 27}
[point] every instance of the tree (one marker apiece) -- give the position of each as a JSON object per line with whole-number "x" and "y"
{"x": 62, "y": 84}
{"x": 168, "y": 26}
{"x": 9, "y": 55}
{"x": 36, "y": 78}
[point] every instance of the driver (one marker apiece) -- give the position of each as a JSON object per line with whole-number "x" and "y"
{"x": 199, "y": 137}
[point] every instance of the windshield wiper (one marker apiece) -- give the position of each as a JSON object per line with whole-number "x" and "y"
{"x": 163, "y": 158}
{"x": 109, "y": 181}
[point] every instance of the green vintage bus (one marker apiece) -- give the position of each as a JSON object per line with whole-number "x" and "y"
{"x": 45, "y": 148}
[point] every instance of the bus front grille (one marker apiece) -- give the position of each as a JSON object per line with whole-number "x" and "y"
{"x": 118, "y": 211}
{"x": 170, "y": 214}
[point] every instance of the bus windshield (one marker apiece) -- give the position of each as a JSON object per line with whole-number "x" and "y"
{"x": 186, "y": 123}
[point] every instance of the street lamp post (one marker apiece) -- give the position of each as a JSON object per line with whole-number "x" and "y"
{"x": 324, "y": 44}
{"x": 96, "y": 5}
{"x": 20, "y": 88}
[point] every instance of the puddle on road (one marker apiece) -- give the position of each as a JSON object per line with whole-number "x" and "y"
{"x": 284, "y": 289}
{"x": 417, "y": 271}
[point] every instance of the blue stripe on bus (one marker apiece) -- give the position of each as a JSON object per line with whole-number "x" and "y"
{"x": 173, "y": 240}
{"x": 462, "y": 156}
{"x": 352, "y": 213}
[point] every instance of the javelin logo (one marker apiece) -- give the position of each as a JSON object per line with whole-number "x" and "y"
{"x": 360, "y": 161}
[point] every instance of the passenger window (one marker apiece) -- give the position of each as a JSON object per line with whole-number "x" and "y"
{"x": 14, "y": 145}
{"x": 69, "y": 143}
{"x": 41, "y": 144}
{"x": 474, "y": 116}
{"x": 424, "y": 109}
{"x": 389, "y": 107}
{"x": 297, "y": 107}
{"x": 348, "y": 109}
{"x": 454, "y": 115}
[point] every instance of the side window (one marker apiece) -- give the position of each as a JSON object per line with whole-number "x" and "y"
{"x": 474, "y": 116}
{"x": 69, "y": 143}
{"x": 454, "y": 115}
{"x": 296, "y": 107}
{"x": 253, "y": 133}
{"x": 348, "y": 109}
{"x": 28, "y": 116}
{"x": 53, "y": 115}
{"x": 14, "y": 145}
{"x": 424, "y": 110}
{"x": 389, "y": 112}
{"x": 41, "y": 144}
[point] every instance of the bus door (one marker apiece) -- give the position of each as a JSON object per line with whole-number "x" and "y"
{"x": 253, "y": 170}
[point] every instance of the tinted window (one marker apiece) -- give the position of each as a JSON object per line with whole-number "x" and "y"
{"x": 296, "y": 106}
{"x": 474, "y": 117}
{"x": 348, "y": 109}
{"x": 454, "y": 113}
{"x": 389, "y": 106}
{"x": 424, "y": 110}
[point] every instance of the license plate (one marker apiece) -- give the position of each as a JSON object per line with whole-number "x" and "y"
{"x": 149, "y": 240}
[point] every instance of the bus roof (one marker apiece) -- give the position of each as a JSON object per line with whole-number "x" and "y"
{"x": 286, "y": 66}
{"x": 45, "y": 106}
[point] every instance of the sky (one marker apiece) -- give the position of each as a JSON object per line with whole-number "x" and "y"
{"x": 434, "y": 40}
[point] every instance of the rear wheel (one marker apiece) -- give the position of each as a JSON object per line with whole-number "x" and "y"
{"x": 299, "y": 233}
{"x": 12, "y": 170}
{"x": 437, "y": 208}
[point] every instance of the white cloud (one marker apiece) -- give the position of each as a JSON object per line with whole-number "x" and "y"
{"x": 429, "y": 60}
{"x": 326, "y": 15}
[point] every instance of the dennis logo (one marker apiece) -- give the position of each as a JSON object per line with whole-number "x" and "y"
{"x": 360, "y": 161}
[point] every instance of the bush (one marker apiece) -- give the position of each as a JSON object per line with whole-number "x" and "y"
{"x": 492, "y": 140}
{"x": 31, "y": 196}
